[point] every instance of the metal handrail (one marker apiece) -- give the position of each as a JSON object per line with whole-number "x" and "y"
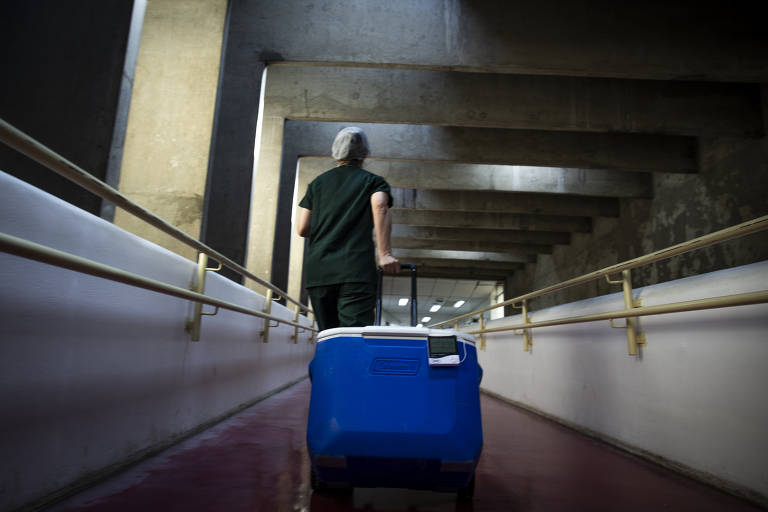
{"x": 741, "y": 299}
{"x": 739, "y": 230}
{"x": 34, "y": 251}
{"x": 28, "y": 146}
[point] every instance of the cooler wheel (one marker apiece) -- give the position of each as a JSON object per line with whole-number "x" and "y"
{"x": 315, "y": 482}
{"x": 466, "y": 493}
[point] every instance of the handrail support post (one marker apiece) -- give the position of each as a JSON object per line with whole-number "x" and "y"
{"x": 268, "y": 310}
{"x": 193, "y": 324}
{"x": 527, "y": 338}
{"x": 633, "y": 340}
{"x": 526, "y": 334}
{"x": 482, "y": 328}
{"x": 296, "y": 318}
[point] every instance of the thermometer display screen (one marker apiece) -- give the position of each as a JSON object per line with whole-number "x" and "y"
{"x": 440, "y": 346}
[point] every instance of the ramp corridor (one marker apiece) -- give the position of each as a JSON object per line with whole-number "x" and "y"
{"x": 579, "y": 186}
{"x": 257, "y": 461}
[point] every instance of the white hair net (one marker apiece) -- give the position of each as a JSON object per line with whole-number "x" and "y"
{"x": 350, "y": 144}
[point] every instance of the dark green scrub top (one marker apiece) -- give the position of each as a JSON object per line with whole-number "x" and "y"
{"x": 341, "y": 246}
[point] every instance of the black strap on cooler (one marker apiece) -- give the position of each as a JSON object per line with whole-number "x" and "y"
{"x": 414, "y": 307}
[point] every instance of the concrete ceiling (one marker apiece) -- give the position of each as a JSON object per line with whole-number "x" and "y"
{"x": 510, "y": 127}
{"x": 468, "y": 202}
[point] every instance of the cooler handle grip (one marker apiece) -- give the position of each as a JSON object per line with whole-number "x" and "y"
{"x": 414, "y": 305}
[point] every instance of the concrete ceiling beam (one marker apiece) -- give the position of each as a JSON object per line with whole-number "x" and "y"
{"x": 315, "y": 93}
{"x": 495, "y": 260}
{"x": 503, "y": 178}
{"x": 634, "y": 40}
{"x": 490, "y": 220}
{"x": 522, "y": 250}
{"x": 458, "y": 273}
{"x": 588, "y": 150}
{"x": 505, "y": 202}
{"x": 482, "y": 235}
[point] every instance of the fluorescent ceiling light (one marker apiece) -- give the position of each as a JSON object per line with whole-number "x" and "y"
{"x": 434, "y": 308}
{"x": 402, "y": 302}
{"x": 458, "y": 304}
{"x": 426, "y": 319}
{"x": 419, "y": 325}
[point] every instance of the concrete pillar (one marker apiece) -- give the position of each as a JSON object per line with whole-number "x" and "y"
{"x": 168, "y": 136}
{"x": 297, "y": 242}
{"x": 230, "y": 168}
{"x": 264, "y": 196}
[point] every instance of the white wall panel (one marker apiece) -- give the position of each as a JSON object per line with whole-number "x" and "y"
{"x": 94, "y": 372}
{"x": 694, "y": 396}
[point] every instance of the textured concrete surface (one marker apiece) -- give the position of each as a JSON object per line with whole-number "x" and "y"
{"x": 437, "y": 146}
{"x": 165, "y": 160}
{"x": 654, "y": 41}
{"x": 489, "y": 220}
{"x": 257, "y": 461}
{"x": 472, "y": 258}
{"x": 589, "y": 150}
{"x": 314, "y": 93}
{"x": 264, "y": 198}
{"x": 507, "y": 202}
{"x": 444, "y": 98}
{"x": 600, "y": 38}
{"x": 504, "y": 178}
{"x": 478, "y": 245}
{"x": 730, "y": 189}
{"x": 489, "y": 235}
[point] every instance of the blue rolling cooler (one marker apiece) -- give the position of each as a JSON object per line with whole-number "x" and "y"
{"x": 395, "y": 407}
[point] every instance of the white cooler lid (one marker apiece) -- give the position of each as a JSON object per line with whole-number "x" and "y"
{"x": 393, "y": 331}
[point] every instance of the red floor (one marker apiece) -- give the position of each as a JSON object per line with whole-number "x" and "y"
{"x": 256, "y": 461}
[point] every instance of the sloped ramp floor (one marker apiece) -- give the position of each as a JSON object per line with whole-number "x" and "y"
{"x": 257, "y": 461}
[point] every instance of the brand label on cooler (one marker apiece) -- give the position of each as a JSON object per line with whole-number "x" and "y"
{"x": 444, "y": 361}
{"x": 394, "y": 366}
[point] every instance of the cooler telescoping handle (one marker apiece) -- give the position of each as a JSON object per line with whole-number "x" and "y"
{"x": 414, "y": 308}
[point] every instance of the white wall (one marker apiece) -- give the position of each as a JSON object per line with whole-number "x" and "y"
{"x": 695, "y": 396}
{"x": 93, "y": 372}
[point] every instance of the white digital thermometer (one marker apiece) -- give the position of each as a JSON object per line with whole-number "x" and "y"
{"x": 443, "y": 351}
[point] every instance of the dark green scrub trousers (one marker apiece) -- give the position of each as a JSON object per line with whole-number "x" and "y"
{"x": 343, "y": 305}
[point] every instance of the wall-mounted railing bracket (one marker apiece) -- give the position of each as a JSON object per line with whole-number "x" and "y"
{"x": 634, "y": 337}
{"x": 193, "y": 325}
{"x": 482, "y": 336}
{"x": 268, "y": 310}
{"x": 296, "y": 330}
{"x": 526, "y": 333}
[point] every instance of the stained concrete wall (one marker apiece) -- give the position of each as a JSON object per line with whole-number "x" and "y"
{"x": 94, "y": 374}
{"x": 598, "y": 38}
{"x": 62, "y": 67}
{"x": 694, "y": 397}
{"x": 165, "y": 160}
{"x": 729, "y": 189}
